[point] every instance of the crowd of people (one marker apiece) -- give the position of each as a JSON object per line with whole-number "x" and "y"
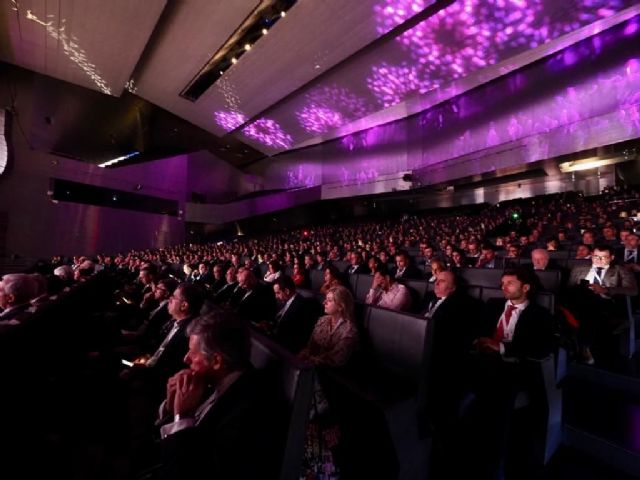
{"x": 178, "y": 322}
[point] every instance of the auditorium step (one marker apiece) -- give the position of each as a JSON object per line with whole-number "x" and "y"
{"x": 602, "y": 417}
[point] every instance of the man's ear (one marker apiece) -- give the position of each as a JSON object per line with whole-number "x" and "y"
{"x": 526, "y": 287}
{"x": 216, "y": 361}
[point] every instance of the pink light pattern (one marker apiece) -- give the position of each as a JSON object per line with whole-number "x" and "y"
{"x": 269, "y": 133}
{"x": 392, "y": 13}
{"x": 469, "y": 35}
{"x": 330, "y": 107}
{"x": 390, "y": 83}
{"x": 229, "y": 120}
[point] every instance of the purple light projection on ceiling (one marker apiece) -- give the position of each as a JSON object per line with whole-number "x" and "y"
{"x": 330, "y": 107}
{"x": 586, "y": 11}
{"x": 454, "y": 42}
{"x": 470, "y": 35}
{"x": 318, "y": 119}
{"x": 229, "y": 120}
{"x": 390, "y": 83}
{"x": 269, "y": 133}
{"x": 392, "y": 13}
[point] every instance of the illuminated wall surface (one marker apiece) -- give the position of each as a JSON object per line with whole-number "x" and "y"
{"x": 464, "y": 38}
{"x": 584, "y": 96}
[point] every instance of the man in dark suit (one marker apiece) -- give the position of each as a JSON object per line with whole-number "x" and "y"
{"x": 218, "y": 279}
{"x": 184, "y": 305}
{"x": 253, "y": 301}
{"x": 151, "y": 333}
{"x": 488, "y": 259}
{"x": 357, "y": 267}
{"x": 225, "y": 293}
{"x": 457, "y": 320}
{"x": 590, "y": 296}
{"x": 16, "y": 290}
{"x": 296, "y": 316}
{"x": 629, "y": 253}
{"x": 218, "y": 417}
{"x": 405, "y": 269}
{"x": 518, "y": 329}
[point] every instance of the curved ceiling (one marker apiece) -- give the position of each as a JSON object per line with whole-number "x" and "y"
{"x": 328, "y": 68}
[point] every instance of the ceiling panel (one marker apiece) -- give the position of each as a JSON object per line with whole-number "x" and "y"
{"x": 91, "y": 43}
{"x": 465, "y": 39}
{"x": 312, "y": 38}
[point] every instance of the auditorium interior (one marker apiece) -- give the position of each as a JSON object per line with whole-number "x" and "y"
{"x": 303, "y": 239}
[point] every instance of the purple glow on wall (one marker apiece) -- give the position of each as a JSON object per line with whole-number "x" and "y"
{"x": 229, "y": 120}
{"x": 301, "y": 177}
{"x": 269, "y": 133}
{"x": 329, "y": 107}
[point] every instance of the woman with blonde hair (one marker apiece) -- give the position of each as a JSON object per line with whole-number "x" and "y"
{"x": 332, "y": 342}
{"x": 335, "y": 335}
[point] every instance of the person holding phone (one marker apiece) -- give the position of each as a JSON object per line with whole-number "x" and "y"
{"x": 592, "y": 290}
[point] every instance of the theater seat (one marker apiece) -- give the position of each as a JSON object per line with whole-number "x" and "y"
{"x": 294, "y": 378}
{"x": 483, "y": 277}
{"x": 317, "y": 279}
{"x": 382, "y": 387}
{"x": 550, "y": 280}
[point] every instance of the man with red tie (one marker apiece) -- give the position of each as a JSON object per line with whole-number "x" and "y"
{"x": 519, "y": 327}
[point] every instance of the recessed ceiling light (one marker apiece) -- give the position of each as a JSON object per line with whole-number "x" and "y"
{"x": 247, "y": 46}
{"x": 234, "y": 60}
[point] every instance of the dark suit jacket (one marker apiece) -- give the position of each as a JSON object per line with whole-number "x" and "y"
{"x": 172, "y": 358}
{"x": 533, "y": 336}
{"x": 225, "y": 293}
{"x": 620, "y": 254}
{"x": 410, "y": 273}
{"x": 216, "y": 285}
{"x": 294, "y": 328}
{"x": 619, "y": 280}
{"x": 259, "y": 306}
{"x": 151, "y": 331}
{"x": 240, "y": 437}
{"x": 18, "y": 313}
{"x": 360, "y": 270}
{"x": 498, "y": 263}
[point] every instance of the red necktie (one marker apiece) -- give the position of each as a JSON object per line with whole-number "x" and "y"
{"x": 499, "y": 336}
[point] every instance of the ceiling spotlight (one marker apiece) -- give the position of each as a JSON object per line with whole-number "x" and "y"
{"x": 283, "y": 13}
{"x": 234, "y": 60}
{"x": 247, "y": 46}
{"x": 265, "y": 31}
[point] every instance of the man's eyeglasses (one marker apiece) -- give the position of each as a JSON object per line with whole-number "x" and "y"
{"x": 601, "y": 257}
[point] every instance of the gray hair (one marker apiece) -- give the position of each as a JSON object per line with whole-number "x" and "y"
{"x": 540, "y": 251}
{"x": 223, "y": 333}
{"x": 21, "y": 285}
{"x": 64, "y": 271}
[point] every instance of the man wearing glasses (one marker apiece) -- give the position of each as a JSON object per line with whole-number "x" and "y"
{"x": 592, "y": 293}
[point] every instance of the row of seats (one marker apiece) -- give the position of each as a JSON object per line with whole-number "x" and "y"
{"x": 393, "y": 367}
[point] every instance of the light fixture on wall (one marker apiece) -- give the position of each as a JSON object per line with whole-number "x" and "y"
{"x": 113, "y": 161}
{"x": 590, "y": 163}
